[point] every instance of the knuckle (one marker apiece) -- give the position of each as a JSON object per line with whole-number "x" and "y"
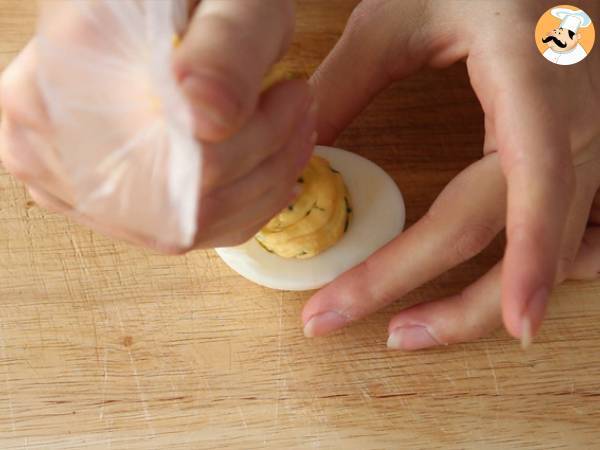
{"x": 472, "y": 239}
{"x": 473, "y": 325}
{"x": 381, "y": 293}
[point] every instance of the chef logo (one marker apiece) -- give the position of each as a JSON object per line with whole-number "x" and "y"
{"x": 565, "y": 35}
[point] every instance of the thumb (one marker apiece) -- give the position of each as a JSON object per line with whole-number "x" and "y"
{"x": 371, "y": 54}
{"x": 224, "y": 56}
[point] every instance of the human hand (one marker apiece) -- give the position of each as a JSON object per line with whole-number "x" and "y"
{"x": 255, "y": 143}
{"x": 538, "y": 179}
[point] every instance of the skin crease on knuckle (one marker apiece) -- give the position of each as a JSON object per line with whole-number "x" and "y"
{"x": 382, "y": 294}
{"x": 472, "y": 239}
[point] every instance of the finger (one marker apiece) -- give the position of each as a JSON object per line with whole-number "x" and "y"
{"x": 586, "y": 265}
{"x": 536, "y": 159}
{"x": 282, "y": 110}
{"x": 462, "y": 221}
{"x": 259, "y": 196}
{"x": 573, "y": 234}
{"x": 477, "y": 310}
{"x": 22, "y": 150}
{"x": 26, "y": 135}
{"x": 228, "y": 49}
{"x": 580, "y": 210}
{"x": 19, "y": 97}
{"x": 472, "y": 314}
{"x": 363, "y": 62}
{"x": 583, "y": 260}
{"x": 227, "y": 236}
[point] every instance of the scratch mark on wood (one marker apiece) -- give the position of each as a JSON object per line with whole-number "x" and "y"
{"x": 104, "y": 383}
{"x": 136, "y": 379}
{"x": 466, "y": 360}
{"x": 95, "y": 336}
{"x": 143, "y": 400}
{"x": 242, "y": 416}
{"x": 493, "y": 369}
{"x": 78, "y": 254}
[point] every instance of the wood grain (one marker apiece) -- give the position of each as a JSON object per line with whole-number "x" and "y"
{"x": 105, "y": 346}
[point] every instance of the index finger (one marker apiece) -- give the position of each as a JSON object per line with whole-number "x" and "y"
{"x": 535, "y": 152}
{"x": 462, "y": 221}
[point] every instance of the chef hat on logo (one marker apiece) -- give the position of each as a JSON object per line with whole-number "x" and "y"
{"x": 572, "y": 20}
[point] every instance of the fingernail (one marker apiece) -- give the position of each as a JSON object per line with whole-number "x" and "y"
{"x": 525, "y": 333}
{"x": 532, "y": 315}
{"x": 411, "y": 337}
{"x": 324, "y": 323}
{"x": 213, "y": 106}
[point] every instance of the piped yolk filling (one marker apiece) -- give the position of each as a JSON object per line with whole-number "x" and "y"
{"x": 316, "y": 220}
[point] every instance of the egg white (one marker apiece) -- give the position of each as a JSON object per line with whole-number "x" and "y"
{"x": 378, "y": 215}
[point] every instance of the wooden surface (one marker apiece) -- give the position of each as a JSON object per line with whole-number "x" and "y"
{"x": 105, "y": 346}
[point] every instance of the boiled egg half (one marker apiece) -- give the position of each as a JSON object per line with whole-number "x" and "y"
{"x": 377, "y": 216}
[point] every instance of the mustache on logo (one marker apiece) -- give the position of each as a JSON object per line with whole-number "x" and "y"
{"x": 556, "y": 41}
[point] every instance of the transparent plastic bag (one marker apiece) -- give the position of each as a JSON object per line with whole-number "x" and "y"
{"x": 123, "y": 131}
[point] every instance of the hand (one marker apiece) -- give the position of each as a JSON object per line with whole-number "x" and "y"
{"x": 255, "y": 144}
{"x": 539, "y": 177}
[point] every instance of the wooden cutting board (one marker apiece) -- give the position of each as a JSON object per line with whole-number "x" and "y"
{"x": 106, "y": 346}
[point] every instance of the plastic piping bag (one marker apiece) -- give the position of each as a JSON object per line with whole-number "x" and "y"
{"x": 123, "y": 131}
